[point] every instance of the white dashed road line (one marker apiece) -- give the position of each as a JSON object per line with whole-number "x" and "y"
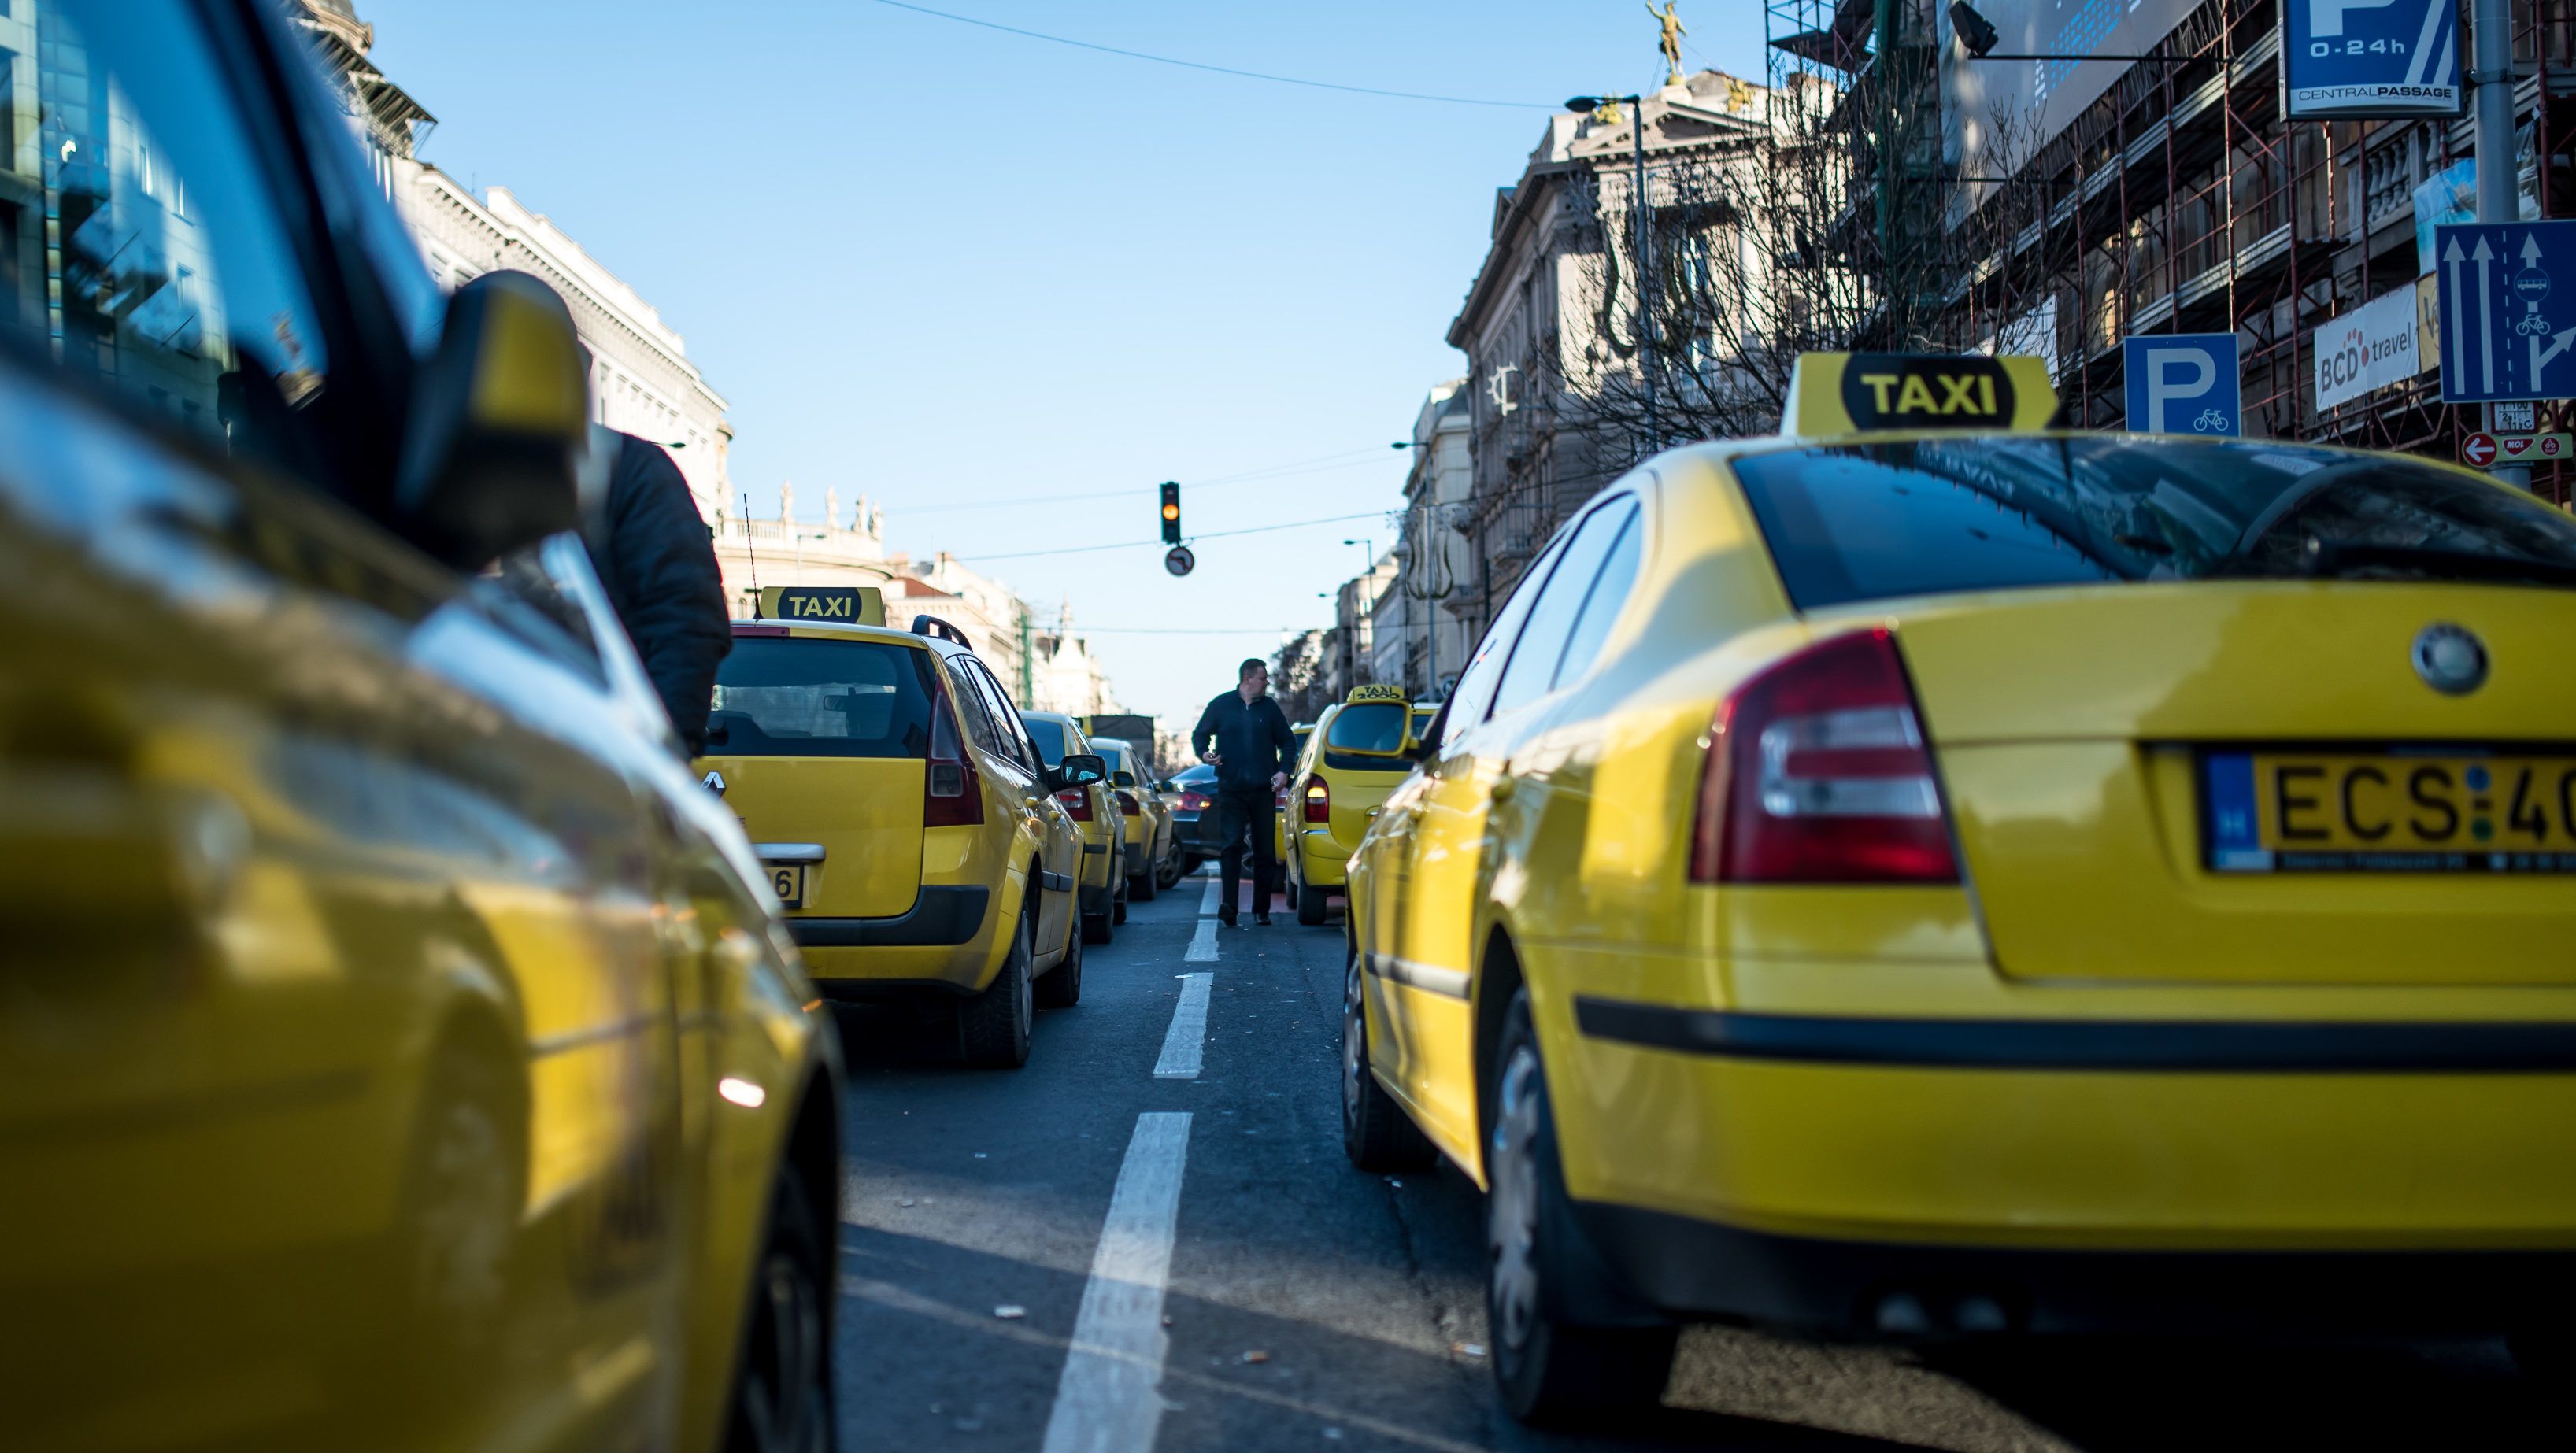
{"x": 1202, "y": 944}
{"x": 1109, "y": 1399}
{"x": 1207, "y": 905}
{"x": 1186, "y": 1040}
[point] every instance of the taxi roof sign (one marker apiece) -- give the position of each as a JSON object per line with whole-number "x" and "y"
{"x": 846, "y": 605}
{"x": 1867, "y": 393}
{"x": 1380, "y": 692}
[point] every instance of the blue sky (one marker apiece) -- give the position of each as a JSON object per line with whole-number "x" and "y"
{"x": 938, "y": 264}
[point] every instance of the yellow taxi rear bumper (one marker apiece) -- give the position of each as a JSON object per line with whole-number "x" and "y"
{"x": 945, "y": 941}
{"x": 1322, "y": 860}
{"x": 2176, "y": 1167}
{"x": 2438, "y": 1119}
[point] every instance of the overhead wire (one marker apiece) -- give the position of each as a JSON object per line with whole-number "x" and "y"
{"x": 1321, "y": 464}
{"x": 1164, "y": 60}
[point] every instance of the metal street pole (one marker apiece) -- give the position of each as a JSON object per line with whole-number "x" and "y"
{"x": 2499, "y": 192}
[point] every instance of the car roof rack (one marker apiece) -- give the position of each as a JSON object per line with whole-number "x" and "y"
{"x": 937, "y": 629}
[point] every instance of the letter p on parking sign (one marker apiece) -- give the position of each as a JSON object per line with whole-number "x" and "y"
{"x": 2183, "y": 383}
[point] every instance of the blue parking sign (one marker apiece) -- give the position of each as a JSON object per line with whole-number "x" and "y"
{"x": 2183, "y": 383}
{"x": 2371, "y": 58}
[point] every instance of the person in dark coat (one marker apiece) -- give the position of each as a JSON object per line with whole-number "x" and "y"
{"x": 1245, "y": 736}
{"x": 654, "y": 554}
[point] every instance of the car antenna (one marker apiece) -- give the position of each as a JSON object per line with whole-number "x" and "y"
{"x": 750, "y": 554}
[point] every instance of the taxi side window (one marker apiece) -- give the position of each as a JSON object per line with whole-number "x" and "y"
{"x": 145, "y": 248}
{"x": 1532, "y": 672}
{"x": 969, "y": 697}
{"x": 1475, "y": 689}
{"x": 1609, "y": 592}
{"x": 1013, "y": 739}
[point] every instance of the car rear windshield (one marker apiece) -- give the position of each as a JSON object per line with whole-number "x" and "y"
{"x": 1853, "y": 522}
{"x": 1050, "y": 739}
{"x": 1374, "y": 726}
{"x": 790, "y": 697}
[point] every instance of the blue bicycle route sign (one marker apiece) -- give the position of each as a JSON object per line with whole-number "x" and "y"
{"x": 2371, "y": 58}
{"x": 2183, "y": 383}
{"x": 2507, "y": 297}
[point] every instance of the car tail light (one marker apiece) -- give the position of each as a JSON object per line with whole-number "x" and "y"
{"x": 1818, "y": 773}
{"x": 952, "y": 794}
{"x": 1127, "y": 804}
{"x": 1279, "y": 797}
{"x": 1193, "y": 802}
{"x": 1077, "y": 803}
{"x": 1319, "y": 800}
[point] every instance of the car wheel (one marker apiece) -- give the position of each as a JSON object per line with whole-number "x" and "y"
{"x": 1288, "y": 893}
{"x": 1550, "y": 1371}
{"x": 782, "y": 1395}
{"x": 993, "y": 1027}
{"x": 462, "y": 1198}
{"x": 1171, "y": 869}
{"x": 1095, "y": 928}
{"x": 1310, "y": 908}
{"x": 1061, "y": 986}
{"x": 1142, "y": 886}
{"x": 1376, "y": 1133}
{"x": 1118, "y": 910}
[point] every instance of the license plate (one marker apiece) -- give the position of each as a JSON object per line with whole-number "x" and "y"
{"x": 2397, "y": 811}
{"x": 787, "y": 880}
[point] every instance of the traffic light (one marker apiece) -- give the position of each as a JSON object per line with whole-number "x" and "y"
{"x": 1171, "y": 513}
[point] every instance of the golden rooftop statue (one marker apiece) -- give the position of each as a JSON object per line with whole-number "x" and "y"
{"x": 1672, "y": 41}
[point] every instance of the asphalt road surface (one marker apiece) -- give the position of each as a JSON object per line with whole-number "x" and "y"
{"x": 1175, "y": 1201}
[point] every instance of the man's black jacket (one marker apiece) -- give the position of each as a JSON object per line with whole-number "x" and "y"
{"x": 653, "y": 554}
{"x": 1252, "y": 737}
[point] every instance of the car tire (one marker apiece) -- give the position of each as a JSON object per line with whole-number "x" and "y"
{"x": 1141, "y": 886}
{"x": 993, "y": 1027}
{"x": 1550, "y": 1372}
{"x": 1061, "y": 986}
{"x": 1174, "y": 867}
{"x": 1095, "y": 927}
{"x": 1376, "y": 1133}
{"x": 1288, "y": 894}
{"x": 782, "y": 1389}
{"x": 2547, "y": 1358}
{"x": 457, "y": 1235}
{"x": 1310, "y": 908}
{"x": 1118, "y": 910}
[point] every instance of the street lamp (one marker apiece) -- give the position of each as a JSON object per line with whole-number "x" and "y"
{"x": 1645, "y": 256}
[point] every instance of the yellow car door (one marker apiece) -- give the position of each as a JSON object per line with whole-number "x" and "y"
{"x": 1048, "y": 837}
{"x": 1444, "y": 917}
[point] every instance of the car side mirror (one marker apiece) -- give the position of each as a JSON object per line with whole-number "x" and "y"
{"x": 1122, "y": 779}
{"x": 1418, "y": 751}
{"x": 500, "y": 417}
{"x": 1167, "y": 785}
{"x": 1080, "y": 769}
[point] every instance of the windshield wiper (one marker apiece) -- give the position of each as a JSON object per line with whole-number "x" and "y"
{"x": 2330, "y": 558}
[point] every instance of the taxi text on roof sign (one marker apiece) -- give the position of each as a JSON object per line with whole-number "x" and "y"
{"x": 848, "y": 605}
{"x": 1377, "y": 693}
{"x": 1862, "y": 393}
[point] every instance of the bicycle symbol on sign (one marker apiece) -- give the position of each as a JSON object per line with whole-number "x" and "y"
{"x": 2211, "y": 421}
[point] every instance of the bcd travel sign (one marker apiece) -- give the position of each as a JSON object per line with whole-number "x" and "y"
{"x": 2352, "y": 58}
{"x": 2368, "y": 348}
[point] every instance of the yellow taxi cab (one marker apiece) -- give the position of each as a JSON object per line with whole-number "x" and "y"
{"x": 1153, "y": 861}
{"x": 1352, "y": 759}
{"x": 1923, "y": 876}
{"x": 398, "y": 1049}
{"x": 1304, "y": 732}
{"x": 909, "y": 826}
{"x": 1098, "y": 821}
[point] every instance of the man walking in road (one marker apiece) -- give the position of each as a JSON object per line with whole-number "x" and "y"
{"x": 653, "y": 554}
{"x": 1244, "y": 735}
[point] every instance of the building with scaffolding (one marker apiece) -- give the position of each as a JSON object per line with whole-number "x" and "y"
{"x": 2169, "y": 195}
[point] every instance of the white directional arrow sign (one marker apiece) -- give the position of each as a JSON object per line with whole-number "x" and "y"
{"x": 2508, "y": 328}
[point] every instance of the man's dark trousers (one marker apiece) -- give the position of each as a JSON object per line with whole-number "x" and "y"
{"x": 1242, "y": 810}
